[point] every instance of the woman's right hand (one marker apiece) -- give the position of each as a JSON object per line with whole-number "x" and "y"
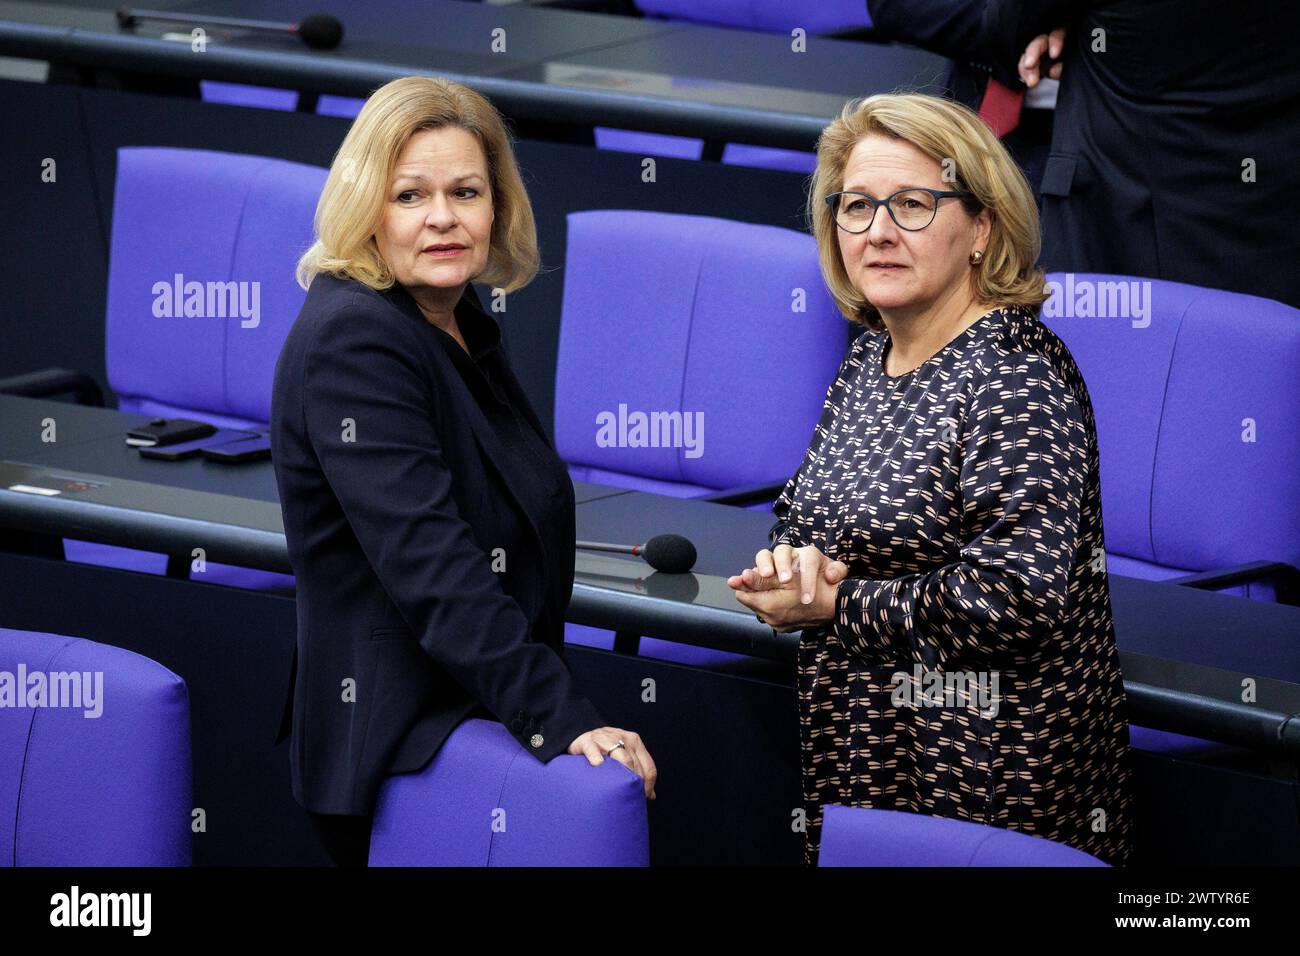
{"x": 600, "y": 743}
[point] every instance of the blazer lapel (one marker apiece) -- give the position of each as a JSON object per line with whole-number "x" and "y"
{"x": 487, "y": 439}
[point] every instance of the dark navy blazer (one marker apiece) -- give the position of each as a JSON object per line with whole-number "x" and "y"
{"x": 396, "y": 494}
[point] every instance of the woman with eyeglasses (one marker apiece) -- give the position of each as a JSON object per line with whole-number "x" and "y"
{"x": 941, "y": 545}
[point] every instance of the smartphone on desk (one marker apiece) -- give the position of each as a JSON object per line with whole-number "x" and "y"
{"x": 233, "y": 452}
{"x": 191, "y": 449}
{"x": 169, "y": 431}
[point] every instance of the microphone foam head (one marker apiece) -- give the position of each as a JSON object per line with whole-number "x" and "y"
{"x": 320, "y": 31}
{"x": 669, "y": 553}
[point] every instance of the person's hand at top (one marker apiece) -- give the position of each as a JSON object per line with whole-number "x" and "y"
{"x": 1032, "y": 62}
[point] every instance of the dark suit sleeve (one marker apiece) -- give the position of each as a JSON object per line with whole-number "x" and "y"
{"x": 1009, "y": 25}
{"x": 993, "y": 33}
{"x": 951, "y": 28}
{"x": 395, "y": 490}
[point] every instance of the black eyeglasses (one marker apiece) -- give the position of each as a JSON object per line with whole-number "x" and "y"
{"x": 912, "y": 209}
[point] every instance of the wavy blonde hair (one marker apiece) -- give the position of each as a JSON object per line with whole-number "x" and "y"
{"x": 351, "y": 204}
{"x": 945, "y": 131}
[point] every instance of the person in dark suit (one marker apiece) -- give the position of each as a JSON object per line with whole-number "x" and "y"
{"x": 965, "y": 32}
{"x": 1175, "y": 125}
{"x": 429, "y": 522}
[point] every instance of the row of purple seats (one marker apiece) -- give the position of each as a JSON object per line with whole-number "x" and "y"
{"x": 689, "y": 147}
{"x": 257, "y": 214}
{"x": 107, "y": 782}
{"x": 1167, "y": 481}
{"x": 620, "y": 140}
{"x": 103, "y": 778}
{"x": 275, "y": 98}
{"x": 1169, "y": 470}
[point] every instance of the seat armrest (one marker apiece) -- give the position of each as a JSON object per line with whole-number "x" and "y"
{"x": 745, "y": 495}
{"x": 54, "y": 381}
{"x": 1285, "y": 577}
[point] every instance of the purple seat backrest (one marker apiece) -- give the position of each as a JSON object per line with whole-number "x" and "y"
{"x": 1197, "y": 398}
{"x": 857, "y": 836}
{"x": 83, "y": 790}
{"x": 724, "y": 324}
{"x": 241, "y": 94}
{"x": 484, "y": 801}
{"x": 232, "y": 225}
{"x": 815, "y": 16}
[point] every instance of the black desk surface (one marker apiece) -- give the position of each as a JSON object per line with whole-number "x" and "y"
{"x": 687, "y": 79}
{"x": 1185, "y": 653}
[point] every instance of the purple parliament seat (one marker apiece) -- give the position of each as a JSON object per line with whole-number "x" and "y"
{"x": 483, "y": 801}
{"x": 688, "y": 147}
{"x": 242, "y": 94}
{"x": 859, "y": 836}
{"x": 1197, "y": 398}
{"x": 681, "y": 324}
{"x": 773, "y": 16}
{"x": 104, "y": 777}
{"x": 235, "y": 225}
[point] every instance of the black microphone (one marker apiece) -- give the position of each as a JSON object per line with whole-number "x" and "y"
{"x": 669, "y": 553}
{"x": 320, "y": 31}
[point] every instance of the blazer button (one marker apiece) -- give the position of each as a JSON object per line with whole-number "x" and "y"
{"x": 537, "y": 741}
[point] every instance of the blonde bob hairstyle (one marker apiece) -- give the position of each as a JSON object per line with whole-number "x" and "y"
{"x": 351, "y": 204}
{"x": 955, "y": 137}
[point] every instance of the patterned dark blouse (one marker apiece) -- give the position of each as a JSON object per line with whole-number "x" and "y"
{"x": 971, "y": 668}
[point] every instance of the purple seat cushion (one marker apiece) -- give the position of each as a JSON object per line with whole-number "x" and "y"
{"x": 344, "y": 107}
{"x": 484, "y": 801}
{"x": 765, "y": 157}
{"x": 241, "y": 94}
{"x": 870, "y": 837}
{"x": 106, "y": 790}
{"x": 112, "y": 556}
{"x": 648, "y": 144}
{"x": 776, "y": 16}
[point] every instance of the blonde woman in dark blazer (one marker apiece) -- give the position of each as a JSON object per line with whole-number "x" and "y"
{"x": 430, "y": 523}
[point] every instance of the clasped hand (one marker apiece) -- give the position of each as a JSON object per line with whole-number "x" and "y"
{"x": 790, "y": 588}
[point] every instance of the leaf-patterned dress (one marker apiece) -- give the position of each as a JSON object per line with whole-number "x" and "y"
{"x": 970, "y": 670}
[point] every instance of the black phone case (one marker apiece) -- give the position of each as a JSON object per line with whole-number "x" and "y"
{"x": 230, "y": 453}
{"x": 170, "y": 431}
{"x": 190, "y": 449}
